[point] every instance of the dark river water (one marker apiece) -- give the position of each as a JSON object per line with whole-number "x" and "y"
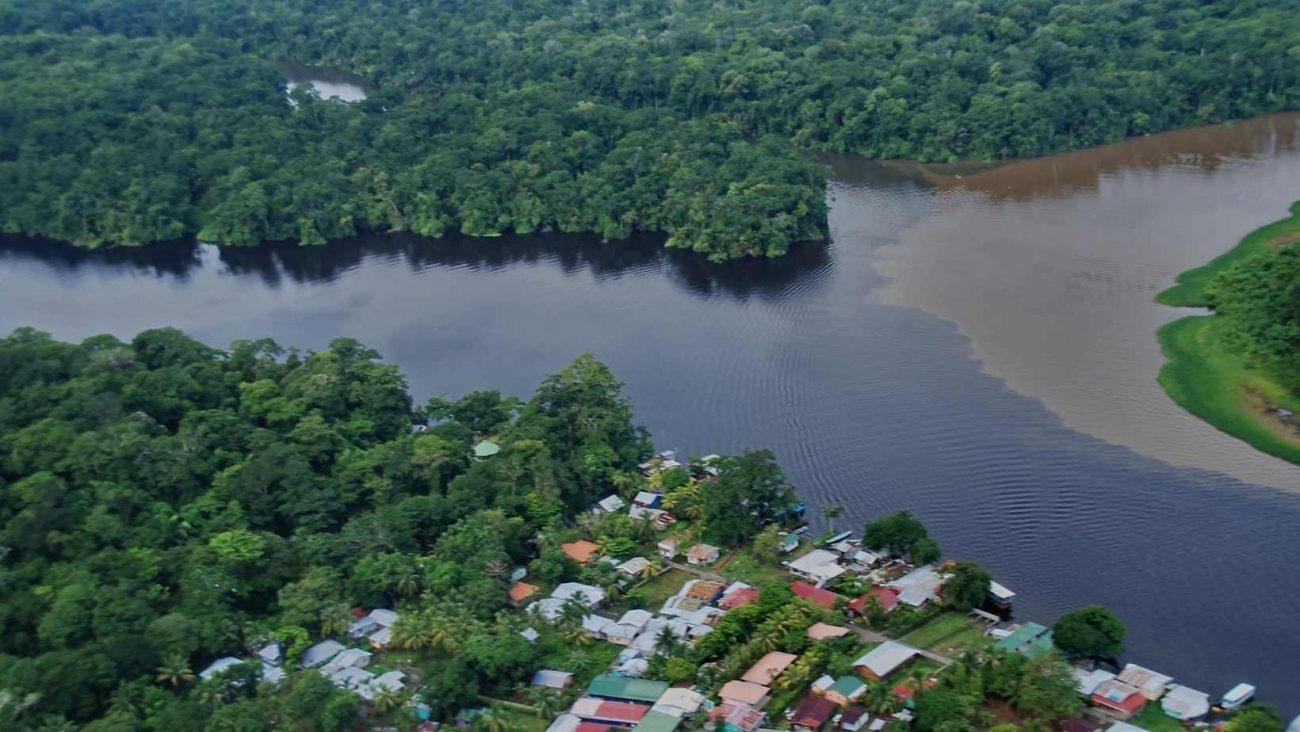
{"x": 877, "y": 392}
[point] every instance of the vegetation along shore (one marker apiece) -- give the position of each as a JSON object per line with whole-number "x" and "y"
{"x": 261, "y": 538}
{"x": 1239, "y": 369}
{"x": 127, "y": 122}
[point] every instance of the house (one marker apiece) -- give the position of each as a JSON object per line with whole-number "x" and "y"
{"x": 818, "y": 566}
{"x": 887, "y": 597}
{"x": 769, "y": 667}
{"x": 347, "y": 658}
{"x": 580, "y": 551}
{"x": 589, "y": 595}
{"x": 391, "y": 681}
{"x": 679, "y": 702}
{"x": 609, "y": 686}
{"x": 789, "y": 543}
{"x": 883, "y": 660}
{"x": 703, "y": 591}
{"x": 637, "y": 619}
{"x": 1087, "y": 681}
{"x": 380, "y": 639}
{"x": 1031, "y": 639}
{"x": 362, "y": 627}
{"x": 823, "y": 682}
{"x": 271, "y": 653}
{"x": 219, "y": 665}
{"x": 595, "y": 625}
{"x": 635, "y": 567}
{"x": 565, "y": 723}
{"x": 521, "y": 591}
{"x": 621, "y": 713}
{"x": 657, "y": 722}
{"x": 745, "y": 692}
{"x": 648, "y": 499}
{"x": 813, "y": 712}
{"x": 1150, "y": 683}
{"x": 853, "y": 719}
{"x": 737, "y": 595}
{"x": 609, "y": 504}
{"x": 817, "y": 595}
{"x": 551, "y": 679}
{"x": 530, "y": 635}
{"x": 383, "y": 617}
{"x": 736, "y": 717}
{"x": 318, "y": 654}
{"x": 1120, "y": 699}
{"x": 659, "y": 517}
{"x": 825, "y": 631}
{"x": 702, "y": 554}
{"x": 668, "y": 549}
{"x": 1185, "y": 704}
{"x": 845, "y": 690}
{"x": 273, "y": 675}
{"x": 919, "y": 586}
{"x": 664, "y": 461}
{"x": 865, "y": 559}
{"x": 353, "y": 678}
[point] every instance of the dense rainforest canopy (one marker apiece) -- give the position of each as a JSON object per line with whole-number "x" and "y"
{"x": 126, "y": 121}
{"x": 1258, "y": 300}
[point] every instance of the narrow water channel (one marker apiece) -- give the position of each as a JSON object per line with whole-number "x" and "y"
{"x": 879, "y": 367}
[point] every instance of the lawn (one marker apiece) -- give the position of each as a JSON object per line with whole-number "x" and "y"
{"x": 747, "y": 567}
{"x": 585, "y": 662}
{"x": 949, "y": 634}
{"x": 1190, "y": 290}
{"x": 1154, "y": 719}
{"x": 662, "y": 587}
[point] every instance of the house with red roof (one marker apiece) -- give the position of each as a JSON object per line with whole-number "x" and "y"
{"x": 886, "y": 596}
{"x": 813, "y": 712}
{"x": 822, "y": 597}
{"x": 1119, "y": 698}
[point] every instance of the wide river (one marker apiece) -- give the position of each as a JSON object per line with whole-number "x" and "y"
{"x": 979, "y": 349}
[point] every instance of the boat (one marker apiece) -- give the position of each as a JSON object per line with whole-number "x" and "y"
{"x": 1237, "y": 695}
{"x": 1295, "y": 725}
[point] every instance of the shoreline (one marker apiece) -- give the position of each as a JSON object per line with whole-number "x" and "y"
{"x": 1204, "y": 376}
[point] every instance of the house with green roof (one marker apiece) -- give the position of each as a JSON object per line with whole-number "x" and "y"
{"x": 657, "y": 722}
{"x": 845, "y": 690}
{"x": 1031, "y": 639}
{"x": 625, "y": 688}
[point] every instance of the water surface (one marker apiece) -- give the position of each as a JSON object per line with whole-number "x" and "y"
{"x": 328, "y": 83}
{"x": 867, "y": 397}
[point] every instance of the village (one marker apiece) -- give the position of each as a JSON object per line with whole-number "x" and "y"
{"x": 799, "y": 633}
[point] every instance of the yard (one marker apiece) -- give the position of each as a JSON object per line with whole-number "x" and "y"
{"x": 747, "y": 567}
{"x": 1154, "y": 719}
{"x": 949, "y": 634}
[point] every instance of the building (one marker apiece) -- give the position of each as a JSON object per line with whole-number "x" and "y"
{"x": 886, "y": 597}
{"x": 384, "y": 617}
{"x": 318, "y": 654}
{"x": 853, "y": 719}
{"x": 883, "y": 660}
{"x": 519, "y": 592}
{"x": 1185, "y": 704}
{"x": 621, "y": 688}
{"x": 748, "y": 693}
{"x": 826, "y": 631}
{"x": 737, "y": 595}
{"x": 648, "y": 499}
{"x": 789, "y": 542}
{"x": 668, "y": 549}
{"x": 701, "y": 554}
{"x": 380, "y": 639}
{"x": 813, "y": 712}
{"x": 845, "y": 690}
{"x": 657, "y": 722}
{"x": 580, "y": 551}
{"x": 346, "y": 658}
{"x": 1119, "y": 699}
{"x": 736, "y": 717}
{"x": 679, "y": 702}
{"x": 1031, "y": 639}
{"x": 1151, "y": 684}
{"x": 1088, "y": 681}
{"x": 485, "y": 450}
{"x": 551, "y": 679}
{"x": 271, "y": 653}
{"x": 825, "y": 598}
{"x": 218, "y": 666}
{"x": 610, "y": 504}
{"x": 635, "y": 567}
{"x": 589, "y": 595}
{"x": 620, "y": 713}
{"x": 818, "y": 566}
{"x": 919, "y": 586}
{"x": 769, "y": 667}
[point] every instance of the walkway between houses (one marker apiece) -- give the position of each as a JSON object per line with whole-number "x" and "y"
{"x": 702, "y": 574}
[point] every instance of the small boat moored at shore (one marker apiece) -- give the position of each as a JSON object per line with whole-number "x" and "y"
{"x": 1237, "y": 695}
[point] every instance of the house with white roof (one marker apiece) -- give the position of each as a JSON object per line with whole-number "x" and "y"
{"x": 589, "y": 595}
{"x": 884, "y": 659}
{"x": 346, "y": 658}
{"x": 919, "y": 586}
{"x": 818, "y": 566}
{"x": 219, "y": 665}
{"x": 318, "y": 654}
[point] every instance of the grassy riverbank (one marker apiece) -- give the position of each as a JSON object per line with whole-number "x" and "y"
{"x": 1206, "y": 376}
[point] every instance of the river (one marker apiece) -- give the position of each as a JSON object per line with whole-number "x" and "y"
{"x": 877, "y": 366}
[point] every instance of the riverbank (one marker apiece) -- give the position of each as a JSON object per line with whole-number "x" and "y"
{"x": 1203, "y": 373}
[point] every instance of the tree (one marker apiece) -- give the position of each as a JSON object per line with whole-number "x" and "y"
{"x": 944, "y": 710}
{"x": 174, "y": 672}
{"x": 966, "y": 586}
{"x": 1047, "y": 691}
{"x": 903, "y": 535}
{"x": 831, "y": 511}
{"x": 1089, "y": 631}
{"x": 750, "y": 492}
{"x": 1256, "y": 718}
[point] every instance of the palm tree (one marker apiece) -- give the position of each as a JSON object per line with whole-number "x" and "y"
{"x": 174, "y": 672}
{"x": 666, "y": 640}
{"x": 442, "y": 633}
{"x": 832, "y": 511}
{"x": 388, "y": 700}
{"x": 54, "y": 723}
{"x": 335, "y": 620}
{"x": 544, "y": 700}
{"x": 489, "y": 721}
{"x": 496, "y": 568}
{"x": 576, "y": 635}
{"x": 880, "y": 699}
{"x": 407, "y": 585}
{"x": 573, "y": 611}
{"x": 212, "y": 693}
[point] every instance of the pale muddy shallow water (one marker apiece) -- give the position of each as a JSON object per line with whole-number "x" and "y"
{"x": 997, "y": 379}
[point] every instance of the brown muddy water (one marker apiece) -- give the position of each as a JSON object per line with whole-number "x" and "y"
{"x": 1051, "y": 265}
